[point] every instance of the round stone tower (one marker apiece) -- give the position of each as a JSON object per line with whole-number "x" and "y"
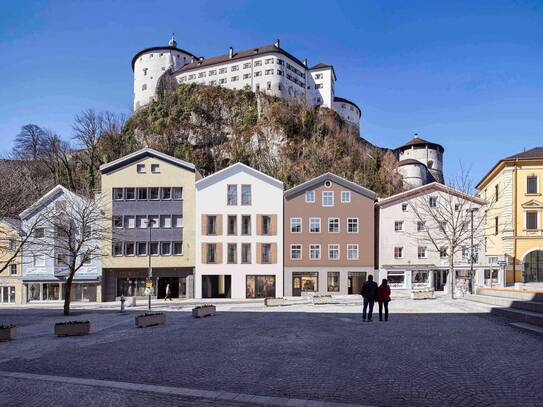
{"x": 150, "y": 63}
{"x": 420, "y": 162}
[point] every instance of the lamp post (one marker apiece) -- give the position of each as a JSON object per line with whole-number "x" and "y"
{"x": 150, "y": 224}
{"x": 472, "y": 254}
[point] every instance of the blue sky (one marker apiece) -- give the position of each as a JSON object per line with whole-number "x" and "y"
{"x": 466, "y": 74}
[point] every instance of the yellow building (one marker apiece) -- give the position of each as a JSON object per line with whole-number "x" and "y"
{"x": 513, "y": 189}
{"x": 141, "y": 189}
{"x": 11, "y": 287}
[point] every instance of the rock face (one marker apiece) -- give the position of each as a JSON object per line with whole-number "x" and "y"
{"x": 214, "y": 127}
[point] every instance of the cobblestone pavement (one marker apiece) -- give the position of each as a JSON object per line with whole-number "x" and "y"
{"x": 430, "y": 353}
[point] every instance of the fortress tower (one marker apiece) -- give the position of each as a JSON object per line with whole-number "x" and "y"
{"x": 420, "y": 162}
{"x": 150, "y": 63}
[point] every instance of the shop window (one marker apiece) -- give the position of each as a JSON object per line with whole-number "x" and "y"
{"x": 260, "y": 286}
{"x": 396, "y": 279}
{"x": 420, "y": 278}
{"x": 333, "y": 281}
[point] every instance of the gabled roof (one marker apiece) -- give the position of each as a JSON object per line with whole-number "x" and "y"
{"x": 234, "y": 169}
{"x": 433, "y": 186}
{"x": 251, "y": 52}
{"x": 59, "y": 189}
{"x": 312, "y": 183}
{"x": 418, "y": 141}
{"x": 324, "y": 65}
{"x": 145, "y": 152}
{"x": 533, "y": 154}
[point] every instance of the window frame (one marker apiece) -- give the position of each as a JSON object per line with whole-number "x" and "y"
{"x": 310, "y": 193}
{"x": 298, "y": 248}
{"x": 319, "y": 222}
{"x": 350, "y": 246}
{"x": 228, "y": 196}
{"x": 315, "y": 246}
{"x": 330, "y": 245}
{"x": 299, "y": 224}
{"x": 338, "y": 225}
{"x": 329, "y": 194}
{"x": 348, "y": 193}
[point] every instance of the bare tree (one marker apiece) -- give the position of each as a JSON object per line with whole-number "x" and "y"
{"x": 88, "y": 129}
{"x": 453, "y": 221}
{"x": 71, "y": 230}
{"x": 29, "y": 143}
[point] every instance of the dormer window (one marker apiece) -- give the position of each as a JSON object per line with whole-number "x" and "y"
{"x": 310, "y": 196}
{"x": 140, "y": 168}
{"x": 155, "y": 168}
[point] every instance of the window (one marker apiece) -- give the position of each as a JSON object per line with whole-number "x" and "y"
{"x": 117, "y": 194}
{"x": 352, "y": 225}
{"x": 327, "y": 198}
{"x": 165, "y": 221}
{"x": 130, "y": 194}
{"x": 117, "y": 222}
{"x": 266, "y": 253}
{"x": 222, "y": 70}
{"x": 420, "y": 277}
{"x": 421, "y": 226}
{"x": 352, "y": 252}
{"x": 421, "y": 253}
{"x": 296, "y": 251}
{"x": 129, "y": 222}
{"x": 155, "y": 168}
{"x": 310, "y": 196}
{"x": 531, "y": 220}
{"x": 333, "y": 252}
{"x": 246, "y": 75}
{"x": 177, "y": 221}
{"x": 61, "y": 259}
{"x": 396, "y": 279}
{"x": 140, "y": 168}
{"x": 295, "y": 225}
{"x": 398, "y": 252}
{"x": 141, "y": 248}
{"x": 117, "y": 248}
{"x": 266, "y": 225}
{"x": 333, "y": 281}
{"x": 531, "y": 185}
{"x": 153, "y": 248}
{"x": 246, "y": 253}
{"x": 153, "y": 221}
{"x": 232, "y": 195}
{"x": 212, "y": 72}
{"x": 154, "y": 193}
{"x": 245, "y": 225}
{"x": 234, "y": 78}
{"x": 211, "y": 225}
{"x": 142, "y": 194}
{"x": 232, "y": 225}
{"x": 165, "y": 248}
{"x": 144, "y": 87}
{"x": 166, "y": 193}
{"x": 257, "y": 73}
{"x": 12, "y": 269}
{"x": 177, "y": 248}
{"x": 345, "y": 196}
{"x": 246, "y": 65}
{"x": 222, "y": 81}
{"x": 496, "y": 225}
{"x": 258, "y": 63}
{"x": 404, "y": 207}
{"x": 232, "y": 255}
{"x": 443, "y": 253}
{"x": 333, "y": 225}
{"x": 129, "y": 248}
{"x": 246, "y": 195}
{"x": 319, "y": 86}
{"x": 314, "y": 225}
{"x": 201, "y": 74}
{"x": 260, "y": 286}
{"x": 234, "y": 68}
{"x": 177, "y": 193}
{"x": 268, "y": 84}
{"x": 496, "y": 192}
{"x": 457, "y": 207}
{"x": 12, "y": 245}
{"x": 433, "y": 202}
{"x": 314, "y": 251}
{"x": 398, "y": 226}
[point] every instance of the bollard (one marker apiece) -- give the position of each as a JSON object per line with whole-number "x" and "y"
{"x": 122, "y": 303}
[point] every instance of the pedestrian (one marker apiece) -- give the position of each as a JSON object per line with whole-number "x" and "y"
{"x": 383, "y": 298}
{"x": 168, "y": 293}
{"x": 369, "y": 293}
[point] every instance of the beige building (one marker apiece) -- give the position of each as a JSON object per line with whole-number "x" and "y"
{"x": 149, "y": 200}
{"x": 11, "y": 287}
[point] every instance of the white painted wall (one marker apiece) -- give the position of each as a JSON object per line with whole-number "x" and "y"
{"x": 267, "y": 198}
{"x": 347, "y": 111}
{"x": 323, "y": 96}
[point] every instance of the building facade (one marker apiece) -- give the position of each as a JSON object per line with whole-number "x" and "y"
{"x": 11, "y": 286}
{"x": 329, "y": 245}
{"x": 406, "y": 256}
{"x": 150, "y": 206}
{"x": 239, "y": 240}
{"x": 420, "y": 162}
{"x": 44, "y": 259}
{"x": 514, "y": 229}
{"x": 269, "y": 69}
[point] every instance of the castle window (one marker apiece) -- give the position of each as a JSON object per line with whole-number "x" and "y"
{"x": 212, "y": 72}
{"x": 155, "y": 168}
{"x": 269, "y": 61}
{"x": 269, "y": 86}
{"x": 269, "y": 72}
{"x": 145, "y": 71}
{"x": 222, "y": 70}
{"x": 246, "y": 75}
{"x": 246, "y": 65}
{"x": 234, "y": 78}
{"x": 258, "y": 63}
{"x": 234, "y": 68}
{"x": 202, "y": 75}
{"x": 258, "y": 73}
{"x": 430, "y": 164}
{"x": 318, "y": 76}
{"x": 280, "y": 62}
{"x": 144, "y": 86}
{"x": 222, "y": 80}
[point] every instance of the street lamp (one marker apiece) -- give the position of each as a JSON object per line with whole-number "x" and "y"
{"x": 150, "y": 224}
{"x": 472, "y": 252}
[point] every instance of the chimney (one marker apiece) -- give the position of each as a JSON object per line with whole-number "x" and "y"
{"x": 191, "y": 60}
{"x": 230, "y": 52}
{"x": 277, "y": 43}
{"x": 305, "y": 61}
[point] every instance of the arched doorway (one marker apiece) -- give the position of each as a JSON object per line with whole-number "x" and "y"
{"x": 533, "y": 267}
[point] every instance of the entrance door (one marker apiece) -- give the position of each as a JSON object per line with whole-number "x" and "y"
{"x": 216, "y": 286}
{"x": 356, "y": 279}
{"x": 174, "y": 287}
{"x": 440, "y": 279}
{"x": 296, "y": 286}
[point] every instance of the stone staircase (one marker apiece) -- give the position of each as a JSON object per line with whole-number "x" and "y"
{"x": 523, "y": 307}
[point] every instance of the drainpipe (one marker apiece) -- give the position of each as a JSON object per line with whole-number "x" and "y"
{"x": 515, "y": 222}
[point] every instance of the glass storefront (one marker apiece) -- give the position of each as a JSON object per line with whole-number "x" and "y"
{"x": 396, "y": 279}
{"x": 51, "y": 291}
{"x": 305, "y": 283}
{"x": 533, "y": 267}
{"x": 34, "y": 292}
{"x": 491, "y": 277}
{"x": 260, "y": 287}
{"x": 55, "y": 292}
{"x": 420, "y": 278}
{"x": 131, "y": 287}
{"x": 333, "y": 281}
{"x": 7, "y": 294}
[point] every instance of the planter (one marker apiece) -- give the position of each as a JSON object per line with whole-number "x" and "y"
{"x": 322, "y": 299}
{"x": 426, "y": 294}
{"x": 274, "y": 302}
{"x": 72, "y": 328}
{"x": 203, "y": 311}
{"x": 7, "y": 332}
{"x": 152, "y": 319}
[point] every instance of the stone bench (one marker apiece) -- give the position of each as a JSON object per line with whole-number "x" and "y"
{"x": 422, "y": 294}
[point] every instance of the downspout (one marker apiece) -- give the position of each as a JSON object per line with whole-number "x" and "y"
{"x": 515, "y": 222}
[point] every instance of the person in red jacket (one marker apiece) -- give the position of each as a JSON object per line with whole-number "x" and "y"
{"x": 383, "y": 298}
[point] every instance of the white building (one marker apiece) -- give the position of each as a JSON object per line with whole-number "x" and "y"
{"x": 239, "y": 235}
{"x": 420, "y": 162}
{"x": 267, "y": 68}
{"x": 407, "y": 259}
{"x": 45, "y": 262}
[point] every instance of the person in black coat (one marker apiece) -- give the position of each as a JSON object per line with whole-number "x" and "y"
{"x": 369, "y": 293}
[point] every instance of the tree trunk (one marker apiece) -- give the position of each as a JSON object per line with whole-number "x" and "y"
{"x": 68, "y": 294}
{"x": 450, "y": 280}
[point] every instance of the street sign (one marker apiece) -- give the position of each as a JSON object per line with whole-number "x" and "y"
{"x": 502, "y": 263}
{"x": 149, "y": 283}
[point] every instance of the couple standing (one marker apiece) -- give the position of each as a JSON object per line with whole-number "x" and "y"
{"x": 370, "y": 292}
